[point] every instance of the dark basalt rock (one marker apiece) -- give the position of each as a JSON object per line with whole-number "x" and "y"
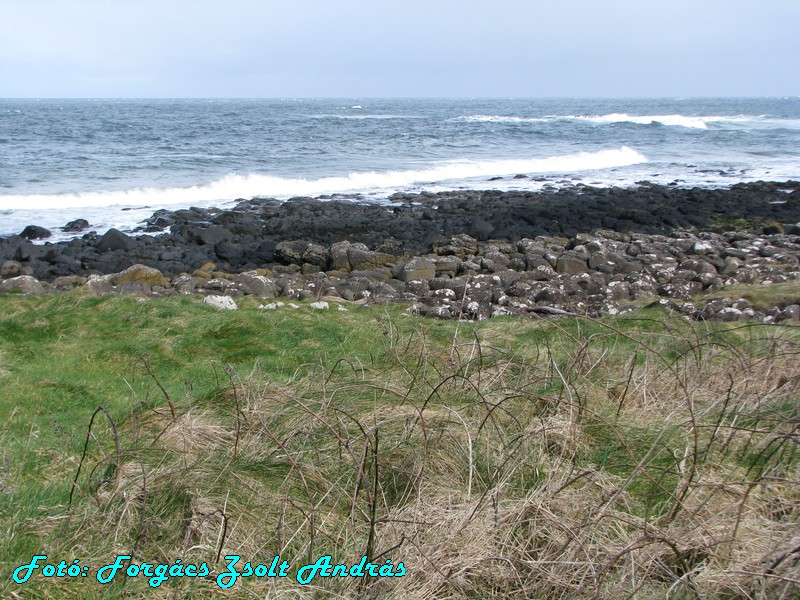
{"x": 114, "y": 239}
{"x": 76, "y": 226}
{"x": 575, "y": 249}
{"x": 35, "y": 232}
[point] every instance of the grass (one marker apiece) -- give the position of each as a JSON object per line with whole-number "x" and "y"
{"x": 762, "y": 297}
{"x": 640, "y": 456}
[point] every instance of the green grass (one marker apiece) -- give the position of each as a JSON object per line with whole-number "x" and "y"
{"x": 763, "y": 297}
{"x": 509, "y": 458}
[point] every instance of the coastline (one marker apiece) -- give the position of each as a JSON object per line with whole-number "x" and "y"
{"x": 466, "y": 254}
{"x": 528, "y": 402}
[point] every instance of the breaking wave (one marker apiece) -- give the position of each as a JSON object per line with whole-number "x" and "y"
{"x": 690, "y": 122}
{"x": 669, "y": 120}
{"x": 236, "y": 186}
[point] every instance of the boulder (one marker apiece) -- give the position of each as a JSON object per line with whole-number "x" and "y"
{"x": 23, "y": 284}
{"x": 213, "y": 235}
{"x": 362, "y": 258}
{"x": 229, "y": 251}
{"x": 76, "y": 226}
{"x": 10, "y": 268}
{"x": 417, "y": 268}
{"x": 460, "y": 245}
{"x": 339, "y": 260}
{"x": 481, "y": 228}
{"x": 571, "y": 263}
{"x": 221, "y": 302}
{"x": 299, "y": 252}
{"x": 68, "y": 282}
{"x": 447, "y": 265}
{"x": 257, "y": 285}
{"x": 100, "y": 285}
{"x": 730, "y": 314}
{"x": 114, "y": 239}
{"x": 790, "y": 313}
{"x": 140, "y": 274}
{"x": 35, "y": 232}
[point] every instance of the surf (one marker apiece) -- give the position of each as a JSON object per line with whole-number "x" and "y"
{"x": 235, "y": 186}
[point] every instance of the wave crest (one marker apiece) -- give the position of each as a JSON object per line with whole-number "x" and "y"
{"x": 235, "y": 186}
{"x": 669, "y": 120}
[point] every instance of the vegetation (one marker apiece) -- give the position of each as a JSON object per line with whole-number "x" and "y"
{"x": 640, "y": 456}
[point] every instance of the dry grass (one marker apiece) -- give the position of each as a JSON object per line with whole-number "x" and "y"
{"x": 523, "y": 460}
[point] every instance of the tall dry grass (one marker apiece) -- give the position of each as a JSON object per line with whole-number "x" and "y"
{"x": 574, "y": 459}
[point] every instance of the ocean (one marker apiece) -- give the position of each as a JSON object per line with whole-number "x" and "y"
{"x": 115, "y": 161}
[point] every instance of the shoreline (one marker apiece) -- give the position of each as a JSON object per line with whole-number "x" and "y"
{"x": 467, "y": 254}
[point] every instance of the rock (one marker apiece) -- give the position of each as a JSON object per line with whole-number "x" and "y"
{"x": 702, "y": 247}
{"x": 299, "y": 252}
{"x": 683, "y": 291}
{"x": 362, "y": 258}
{"x": 447, "y": 265}
{"x": 790, "y": 313}
{"x": 385, "y": 291}
{"x": 213, "y": 235}
{"x": 730, "y": 314}
{"x": 461, "y": 245}
{"x": 68, "y": 282}
{"x": 438, "y": 312}
{"x": 222, "y": 302}
{"x": 100, "y": 285}
{"x": 709, "y": 280}
{"x": 417, "y": 268}
{"x": 113, "y": 239}
{"x": 133, "y": 288}
{"x": 35, "y": 232}
{"x": 767, "y": 250}
{"x": 339, "y": 260}
{"x": 619, "y": 290}
{"x": 552, "y": 247}
{"x": 23, "y": 284}
{"x": 551, "y": 295}
{"x": 319, "y": 305}
{"x": 220, "y": 286}
{"x": 76, "y": 226}
{"x": 272, "y": 306}
{"x": 384, "y": 275}
{"x": 257, "y": 285}
{"x": 571, "y": 263}
{"x": 141, "y": 274}
{"x": 418, "y": 287}
{"x": 481, "y": 228}
{"x": 10, "y": 268}
{"x": 731, "y": 265}
{"x": 185, "y": 284}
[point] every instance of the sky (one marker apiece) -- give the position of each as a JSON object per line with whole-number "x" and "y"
{"x": 391, "y": 48}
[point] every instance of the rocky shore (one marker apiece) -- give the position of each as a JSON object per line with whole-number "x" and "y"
{"x": 459, "y": 254}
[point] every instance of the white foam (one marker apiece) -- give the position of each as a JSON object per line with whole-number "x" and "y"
{"x": 504, "y": 119}
{"x": 669, "y": 120}
{"x": 690, "y": 122}
{"x": 379, "y": 117}
{"x": 235, "y": 186}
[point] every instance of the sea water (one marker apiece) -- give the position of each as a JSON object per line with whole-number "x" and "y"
{"x": 115, "y": 161}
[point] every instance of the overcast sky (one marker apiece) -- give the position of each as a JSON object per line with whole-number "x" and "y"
{"x": 393, "y": 48}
